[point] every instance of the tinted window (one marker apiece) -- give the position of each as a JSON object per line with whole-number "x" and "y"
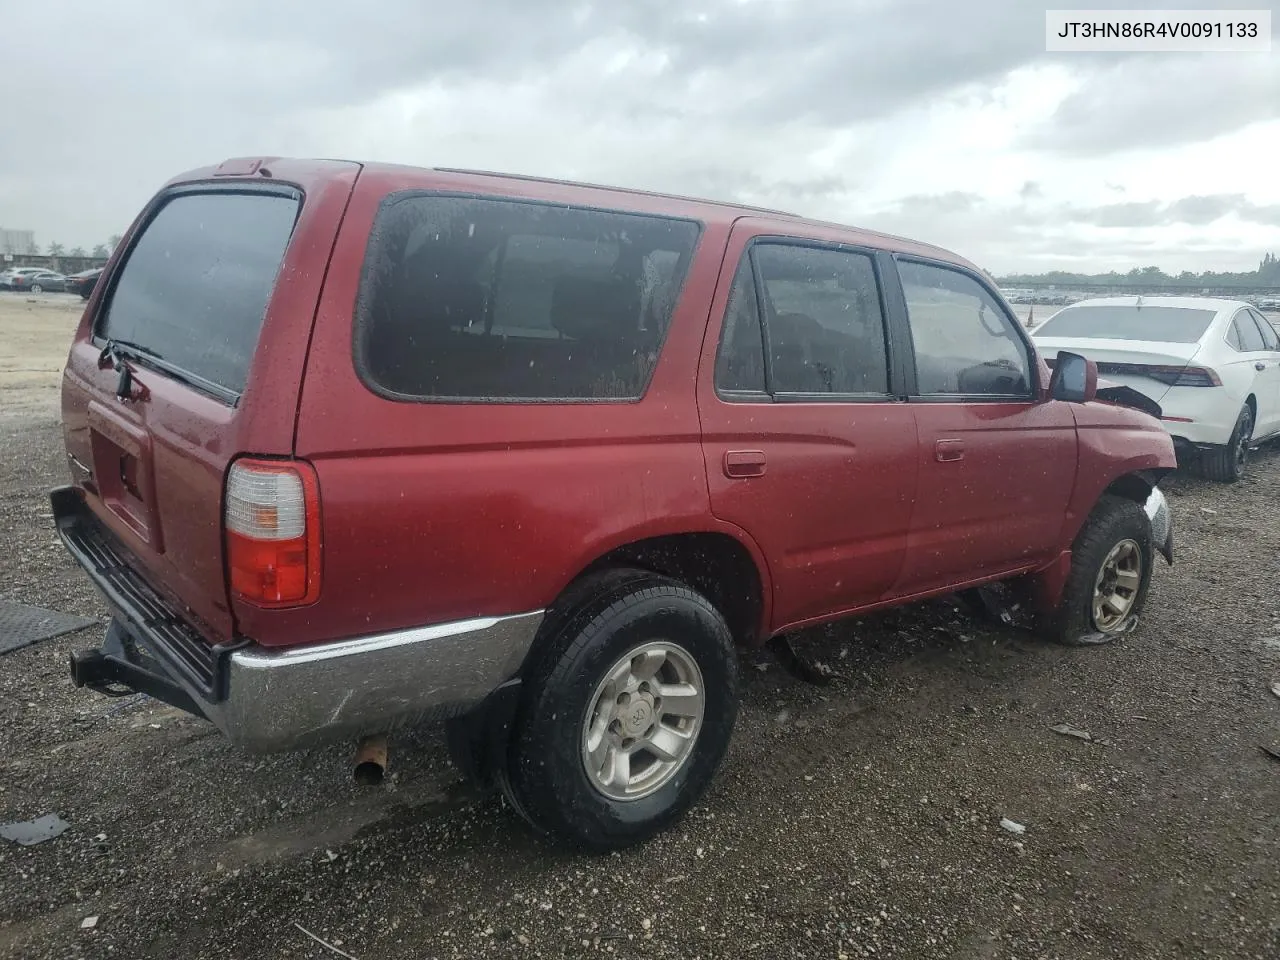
{"x": 965, "y": 344}
{"x": 1233, "y": 337}
{"x": 1269, "y": 338}
{"x": 493, "y": 299}
{"x": 195, "y": 286}
{"x": 740, "y": 360}
{"x": 825, "y": 326}
{"x": 1247, "y": 332}
{"x": 1129, "y": 322}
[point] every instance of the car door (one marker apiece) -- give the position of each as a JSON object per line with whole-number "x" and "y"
{"x": 808, "y": 447}
{"x": 1267, "y": 385}
{"x": 996, "y": 461}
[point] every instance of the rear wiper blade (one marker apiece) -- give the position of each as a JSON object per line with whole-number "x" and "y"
{"x": 116, "y": 349}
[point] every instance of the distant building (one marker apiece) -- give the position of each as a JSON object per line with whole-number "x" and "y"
{"x": 17, "y": 241}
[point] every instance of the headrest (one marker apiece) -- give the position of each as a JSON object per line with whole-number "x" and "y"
{"x": 595, "y": 309}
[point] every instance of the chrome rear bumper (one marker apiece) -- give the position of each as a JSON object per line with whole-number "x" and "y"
{"x": 267, "y": 700}
{"x": 277, "y": 701}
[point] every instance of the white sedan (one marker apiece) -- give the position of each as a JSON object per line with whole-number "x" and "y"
{"x": 1213, "y": 366}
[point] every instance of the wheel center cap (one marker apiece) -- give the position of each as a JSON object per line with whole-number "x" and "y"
{"x": 635, "y": 717}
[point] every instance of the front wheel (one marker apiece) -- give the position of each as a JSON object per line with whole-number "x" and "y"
{"x": 1110, "y": 576}
{"x": 627, "y": 715}
{"x": 36, "y": 288}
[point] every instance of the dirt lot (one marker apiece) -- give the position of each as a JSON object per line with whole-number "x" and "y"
{"x": 861, "y": 819}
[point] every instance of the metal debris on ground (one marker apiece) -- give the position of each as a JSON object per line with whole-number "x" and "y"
{"x": 810, "y": 671}
{"x": 27, "y": 833}
{"x": 1013, "y": 826}
{"x": 324, "y": 943}
{"x": 21, "y": 625}
{"x": 1275, "y": 687}
{"x": 1069, "y": 731}
{"x": 88, "y": 923}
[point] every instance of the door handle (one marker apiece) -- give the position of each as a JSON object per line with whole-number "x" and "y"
{"x": 739, "y": 464}
{"x": 1259, "y": 365}
{"x": 946, "y": 451}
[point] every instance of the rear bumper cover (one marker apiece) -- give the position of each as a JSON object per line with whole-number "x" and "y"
{"x": 269, "y": 700}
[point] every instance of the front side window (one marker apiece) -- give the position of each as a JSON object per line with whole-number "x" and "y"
{"x": 477, "y": 299}
{"x": 965, "y": 344}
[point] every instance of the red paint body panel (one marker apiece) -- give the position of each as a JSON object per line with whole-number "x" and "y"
{"x": 1113, "y": 441}
{"x": 184, "y": 439}
{"x": 1001, "y": 503}
{"x": 432, "y": 512}
{"x": 833, "y": 506}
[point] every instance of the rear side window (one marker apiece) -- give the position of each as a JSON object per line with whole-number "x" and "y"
{"x": 1247, "y": 333}
{"x": 477, "y": 299}
{"x": 825, "y": 326}
{"x": 1269, "y": 339}
{"x": 195, "y": 286}
{"x": 965, "y": 344}
{"x": 740, "y": 361}
{"x": 826, "y": 329}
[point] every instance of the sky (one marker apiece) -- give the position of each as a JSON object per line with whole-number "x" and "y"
{"x": 942, "y": 121}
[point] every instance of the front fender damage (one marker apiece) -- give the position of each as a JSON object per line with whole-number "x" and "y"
{"x": 1161, "y": 517}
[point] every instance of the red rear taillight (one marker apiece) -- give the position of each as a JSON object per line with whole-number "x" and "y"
{"x": 272, "y": 519}
{"x": 1184, "y": 376}
{"x": 1173, "y": 376}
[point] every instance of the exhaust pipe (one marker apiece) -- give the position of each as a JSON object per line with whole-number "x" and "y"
{"x": 371, "y": 760}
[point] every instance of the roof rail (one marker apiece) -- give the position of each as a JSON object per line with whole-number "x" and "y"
{"x": 631, "y": 190}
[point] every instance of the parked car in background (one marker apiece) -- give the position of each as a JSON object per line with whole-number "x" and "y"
{"x": 1213, "y": 367}
{"x": 83, "y": 282}
{"x": 536, "y": 474}
{"x": 43, "y": 281}
{"x": 9, "y": 278}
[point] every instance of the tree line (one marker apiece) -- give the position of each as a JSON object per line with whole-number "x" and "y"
{"x": 100, "y": 252}
{"x": 1268, "y": 273}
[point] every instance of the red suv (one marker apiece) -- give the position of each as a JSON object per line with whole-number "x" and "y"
{"x": 357, "y": 446}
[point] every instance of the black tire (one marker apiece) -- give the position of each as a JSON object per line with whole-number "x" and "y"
{"x": 1226, "y": 465}
{"x": 545, "y": 775}
{"x": 1113, "y": 521}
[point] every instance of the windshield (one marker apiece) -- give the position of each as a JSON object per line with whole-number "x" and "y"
{"x": 1129, "y": 322}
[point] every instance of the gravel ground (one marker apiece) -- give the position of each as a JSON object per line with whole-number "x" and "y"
{"x": 858, "y": 819}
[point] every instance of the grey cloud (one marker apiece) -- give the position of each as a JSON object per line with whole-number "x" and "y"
{"x": 1162, "y": 101}
{"x": 731, "y": 98}
{"x": 1193, "y": 211}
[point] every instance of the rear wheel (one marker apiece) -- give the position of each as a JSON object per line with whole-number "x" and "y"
{"x": 37, "y": 288}
{"x": 627, "y": 715}
{"x": 1227, "y": 464}
{"x": 1110, "y": 576}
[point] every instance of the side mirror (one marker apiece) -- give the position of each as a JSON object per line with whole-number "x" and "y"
{"x": 1075, "y": 379}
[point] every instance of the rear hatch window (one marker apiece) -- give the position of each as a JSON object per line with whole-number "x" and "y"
{"x": 194, "y": 287}
{"x": 1123, "y": 322}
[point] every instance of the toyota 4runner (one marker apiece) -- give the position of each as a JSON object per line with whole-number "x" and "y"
{"x": 358, "y": 446}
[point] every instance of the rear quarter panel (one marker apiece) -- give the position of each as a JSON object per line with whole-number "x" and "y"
{"x": 442, "y": 511}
